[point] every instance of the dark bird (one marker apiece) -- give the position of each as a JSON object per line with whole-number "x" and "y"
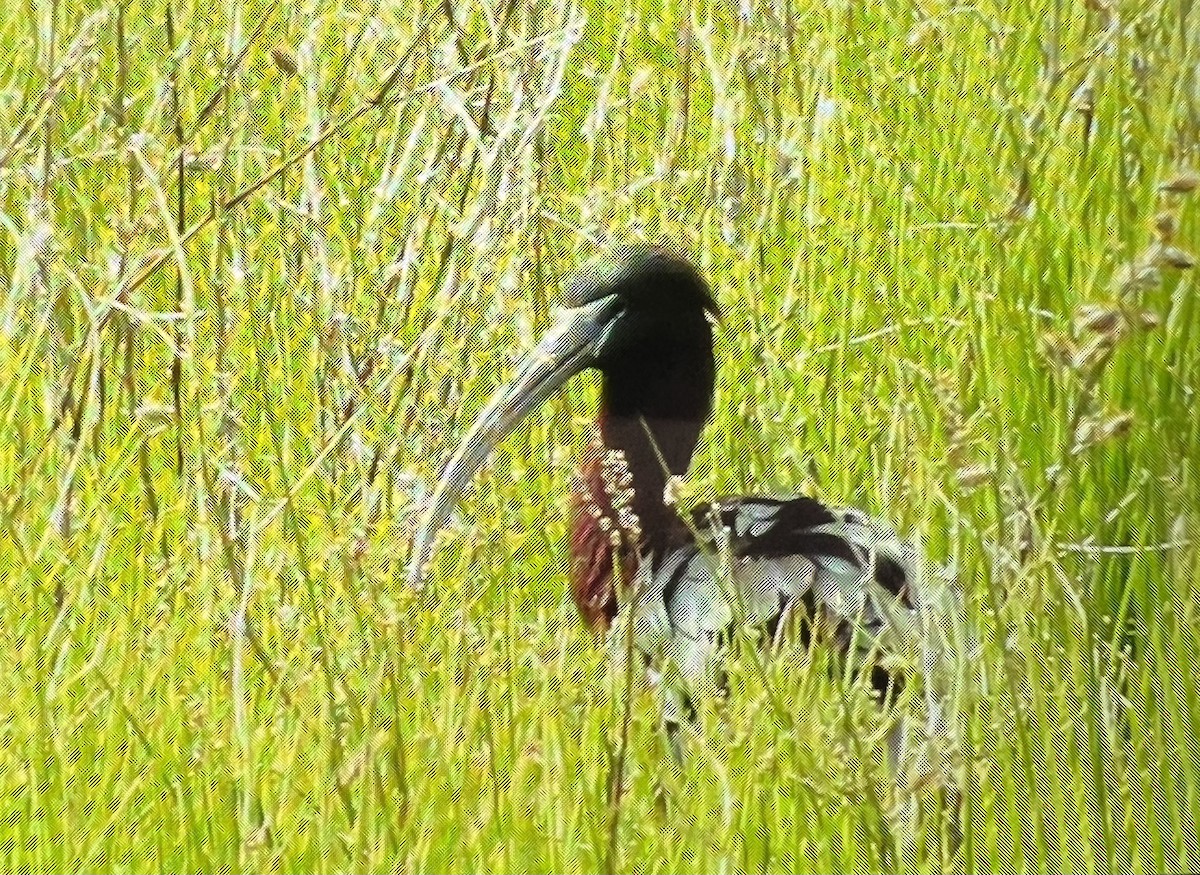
{"x": 644, "y": 318}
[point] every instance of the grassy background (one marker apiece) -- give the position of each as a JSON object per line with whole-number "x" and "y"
{"x": 261, "y": 264}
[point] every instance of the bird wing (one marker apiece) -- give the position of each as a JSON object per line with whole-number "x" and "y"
{"x": 755, "y": 560}
{"x": 859, "y": 573}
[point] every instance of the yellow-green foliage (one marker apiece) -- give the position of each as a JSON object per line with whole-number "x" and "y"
{"x": 261, "y": 262}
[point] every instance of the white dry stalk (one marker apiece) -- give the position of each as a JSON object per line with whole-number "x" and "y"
{"x": 594, "y": 123}
{"x": 721, "y": 71}
{"x": 522, "y": 120}
{"x": 188, "y": 300}
{"x": 28, "y": 263}
{"x": 81, "y": 48}
{"x": 397, "y": 172}
{"x": 237, "y": 683}
{"x": 327, "y": 280}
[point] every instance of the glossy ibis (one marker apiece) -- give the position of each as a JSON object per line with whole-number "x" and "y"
{"x": 644, "y": 318}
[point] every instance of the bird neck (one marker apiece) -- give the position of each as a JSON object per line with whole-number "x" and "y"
{"x": 619, "y": 508}
{"x": 595, "y": 540}
{"x": 645, "y": 452}
{"x": 653, "y": 408}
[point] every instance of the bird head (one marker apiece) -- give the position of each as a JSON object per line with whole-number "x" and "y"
{"x": 640, "y": 315}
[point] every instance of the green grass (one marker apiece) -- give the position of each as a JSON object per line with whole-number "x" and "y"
{"x": 221, "y": 389}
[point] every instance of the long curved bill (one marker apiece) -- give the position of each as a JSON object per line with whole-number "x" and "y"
{"x": 567, "y": 348}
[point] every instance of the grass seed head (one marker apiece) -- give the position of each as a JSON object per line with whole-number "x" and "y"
{"x": 926, "y": 33}
{"x": 618, "y": 484}
{"x": 1166, "y": 223}
{"x": 1058, "y": 349}
{"x": 1085, "y": 100}
{"x": 1184, "y": 182}
{"x": 673, "y": 490}
{"x": 1090, "y": 355}
{"x": 1096, "y": 430}
{"x": 1138, "y": 276}
{"x": 1116, "y": 426}
{"x": 285, "y": 60}
{"x": 974, "y": 476}
{"x": 1099, "y": 319}
{"x": 1177, "y": 258}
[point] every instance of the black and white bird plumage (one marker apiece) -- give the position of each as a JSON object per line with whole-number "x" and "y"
{"x": 769, "y": 567}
